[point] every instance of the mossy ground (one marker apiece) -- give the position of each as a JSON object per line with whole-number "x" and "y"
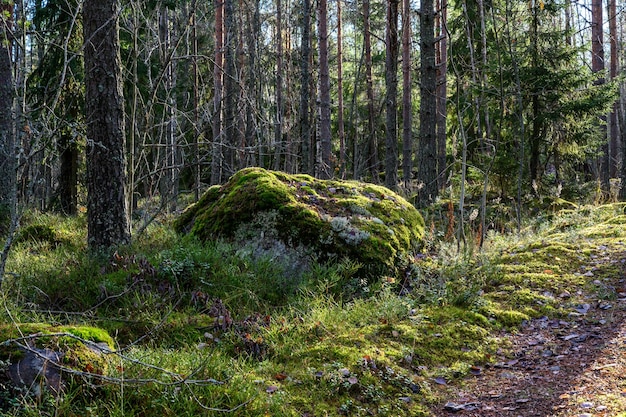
{"x": 277, "y": 350}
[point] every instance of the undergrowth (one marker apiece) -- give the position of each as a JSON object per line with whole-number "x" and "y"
{"x": 204, "y": 329}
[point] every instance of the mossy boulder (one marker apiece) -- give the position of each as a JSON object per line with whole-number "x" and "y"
{"x": 323, "y": 218}
{"x": 40, "y": 355}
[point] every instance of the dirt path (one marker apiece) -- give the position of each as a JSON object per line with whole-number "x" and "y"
{"x": 573, "y": 366}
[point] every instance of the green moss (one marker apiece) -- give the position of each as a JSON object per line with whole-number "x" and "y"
{"x": 88, "y": 333}
{"x": 75, "y": 353}
{"x": 367, "y": 223}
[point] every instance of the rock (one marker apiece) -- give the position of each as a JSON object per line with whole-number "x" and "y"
{"x": 297, "y": 218}
{"x": 43, "y": 358}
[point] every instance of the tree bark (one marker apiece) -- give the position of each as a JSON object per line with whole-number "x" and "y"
{"x": 230, "y": 90}
{"x": 197, "y": 174}
{"x": 253, "y": 83}
{"x": 280, "y": 106}
{"x": 107, "y": 214}
{"x": 305, "y": 86}
{"x": 391, "y": 80}
{"x": 7, "y": 132}
{"x": 427, "y": 167}
{"x": 442, "y": 88}
{"x": 217, "y": 157}
{"x": 407, "y": 113}
{"x": 372, "y": 155}
{"x": 325, "y": 168}
{"x": 597, "y": 65}
{"x": 614, "y": 142}
{"x": 68, "y": 174}
{"x": 340, "y": 122}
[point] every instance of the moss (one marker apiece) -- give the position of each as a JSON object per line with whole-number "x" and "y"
{"x": 46, "y": 334}
{"x": 367, "y": 223}
{"x": 75, "y": 353}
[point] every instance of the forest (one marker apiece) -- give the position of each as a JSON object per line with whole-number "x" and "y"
{"x": 465, "y": 157}
{"x": 524, "y": 98}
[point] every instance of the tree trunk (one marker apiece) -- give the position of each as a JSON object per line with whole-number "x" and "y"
{"x": 427, "y": 167}
{"x": 253, "y": 84}
{"x": 168, "y": 183}
{"x": 597, "y": 65}
{"x": 407, "y": 113}
{"x": 614, "y": 142}
{"x": 535, "y": 131}
{"x": 196, "y": 101}
{"x": 325, "y": 168}
{"x": 391, "y": 81}
{"x": 442, "y": 88}
{"x": 68, "y": 174}
{"x": 231, "y": 92}
{"x": 8, "y": 192}
{"x": 372, "y": 155}
{"x": 107, "y": 216}
{"x": 280, "y": 107}
{"x": 340, "y": 122}
{"x": 217, "y": 157}
{"x": 305, "y": 80}
{"x": 7, "y": 133}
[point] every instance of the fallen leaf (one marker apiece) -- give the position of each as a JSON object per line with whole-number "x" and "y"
{"x": 494, "y": 394}
{"x": 281, "y": 376}
{"x": 476, "y": 370}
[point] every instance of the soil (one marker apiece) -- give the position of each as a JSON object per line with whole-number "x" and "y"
{"x": 574, "y": 365}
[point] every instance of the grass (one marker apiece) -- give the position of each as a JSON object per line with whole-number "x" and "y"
{"x": 270, "y": 347}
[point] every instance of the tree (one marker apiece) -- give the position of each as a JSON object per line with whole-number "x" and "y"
{"x": 597, "y": 66}
{"x": 372, "y": 143}
{"x": 325, "y": 168}
{"x": 7, "y": 135}
{"x": 8, "y": 219}
{"x": 407, "y": 111}
{"x": 305, "y": 81}
{"x": 217, "y": 157}
{"x": 231, "y": 89}
{"x": 441, "y": 62}
{"x": 107, "y": 218}
{"x": 391, "y": 101}
{"x": 340, "y": 122}
{"x": 427, "y": 164}
{"x": 279, "y": 88}
{"x": 614, "y": 142}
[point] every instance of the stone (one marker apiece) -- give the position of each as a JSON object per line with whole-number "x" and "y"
{"x": 301, "y": 218}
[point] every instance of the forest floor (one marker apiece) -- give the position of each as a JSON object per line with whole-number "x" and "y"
{"x": 557, "y": 367}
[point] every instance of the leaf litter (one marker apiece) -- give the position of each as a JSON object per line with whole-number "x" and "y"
{"x": 556, "y": 367}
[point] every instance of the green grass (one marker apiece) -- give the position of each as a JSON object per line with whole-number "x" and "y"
{"x": 279, "y": 347}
